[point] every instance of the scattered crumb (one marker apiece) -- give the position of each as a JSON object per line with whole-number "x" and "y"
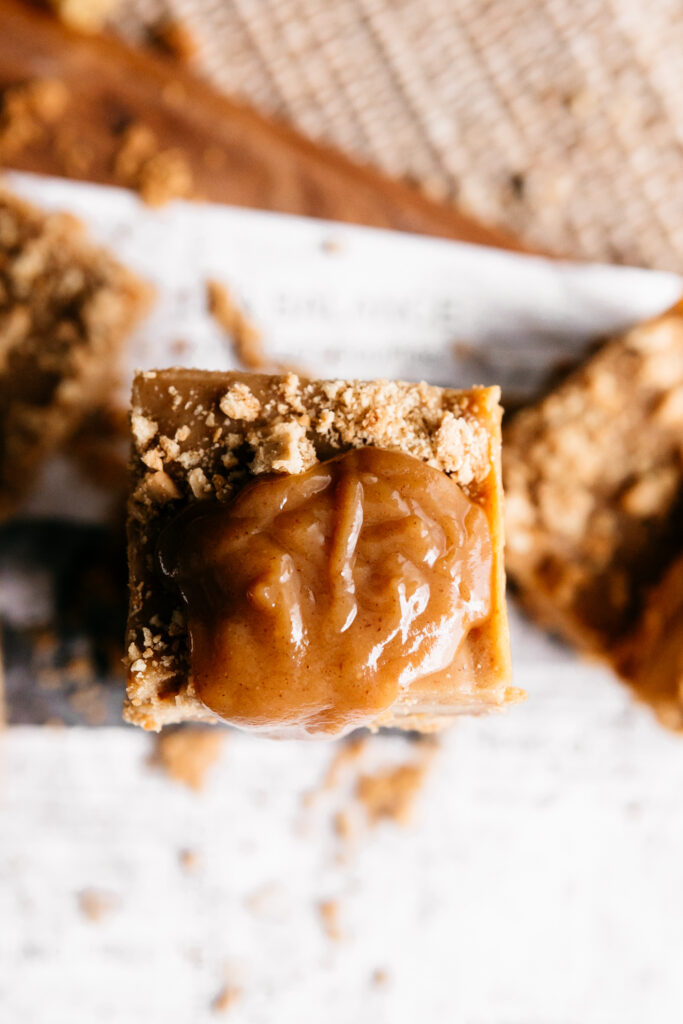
{"x": 173, "y": 38}
{"x": 379, "y": 977}
{"x": 190, "y": 861}
{"x": 27, "y": 110}
{"x": 84, "y": 15}
{"x": 330, "y": 245}
{"x": 157, "y": 175}
{"x": 179, "y": 347}
{"x": 329, "y": 917}
{"x": 347, "y": 752}
{"x": 246, "y": 339}
{"x": 226, "y": 999}
{"x": 344, "y": 826}
{"x": 96, "y": 904}
{"x": 187, "y": 754}
{"x": 389, "y": 794}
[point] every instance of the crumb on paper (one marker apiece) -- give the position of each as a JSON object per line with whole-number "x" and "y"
{"x": 347, "y": 752}
{"x": 157, "y": 175}
{"x": 329, "y": 918}
{"x": 96, "y": 904}
{"x": 389, "y": 794}
{"x": 344, "y": 826}
{"x": 173, "y": 38}
{"x": 226, "y": 999}
{"x": 190, "y": 861}
{"x": 187, "y": 754}
{"x": 179, "y": 347}
{"x": 380, "y": 977}
{"x": 27, "y": 110}
{"x": 246, "y": 339}
{"x": 84, "y": 15}
{"x": 330, "y": 245}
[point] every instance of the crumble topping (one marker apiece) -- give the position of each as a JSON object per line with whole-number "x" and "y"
{"x": 239, "y": 403}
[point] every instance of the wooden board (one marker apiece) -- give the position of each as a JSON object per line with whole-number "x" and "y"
{"x": 236, "y": 155}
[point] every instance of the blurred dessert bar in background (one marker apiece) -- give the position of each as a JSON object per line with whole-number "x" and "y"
{"x": 651, "y": 658}
{"x": 311, "y": 556}
{"x": 594, "y": 487}
{"x": 66, "y": 307}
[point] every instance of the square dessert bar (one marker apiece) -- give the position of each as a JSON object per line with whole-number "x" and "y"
{"x": 594, "y": 487}
{"x": 201, "y": 436}
{"x": 65, "y": 309}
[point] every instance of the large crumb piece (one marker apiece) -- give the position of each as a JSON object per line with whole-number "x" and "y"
{"x": 594, "y": 488}
{"x": 66, "y": 307}
{"x": 244, "y": 336}
{"x": 390, "y": 794}
{"x": 187, "y": 755}
{"x": 157, "y": 175}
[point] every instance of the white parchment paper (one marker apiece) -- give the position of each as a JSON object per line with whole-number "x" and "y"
{"x": 541, "y": 883}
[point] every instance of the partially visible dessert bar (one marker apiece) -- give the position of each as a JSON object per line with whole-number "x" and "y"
{"x": 65, "y": 308}
{"x": 594, "y": 488}
{"x": 651, "y": 657}
{"x": 311, "y": 556}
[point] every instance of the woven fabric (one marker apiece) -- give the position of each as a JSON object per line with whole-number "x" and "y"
{"x": 558, "y": 120}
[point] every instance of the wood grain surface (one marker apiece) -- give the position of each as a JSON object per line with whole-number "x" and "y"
{"x": 236, "y": 155}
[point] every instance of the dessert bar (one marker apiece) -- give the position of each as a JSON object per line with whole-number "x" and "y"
{"x": 594, "y": 489}
{"x": 311, "y": 556}
{"x": 65, "y": 309}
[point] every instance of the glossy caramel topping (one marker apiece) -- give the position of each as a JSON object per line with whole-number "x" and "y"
{"x": 314, "y": 600}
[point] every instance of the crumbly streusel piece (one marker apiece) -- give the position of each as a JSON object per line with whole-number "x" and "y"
{"x": 594, "y": 485}
{"x": 200, "y": 435}
{"x": 65, "y": 309}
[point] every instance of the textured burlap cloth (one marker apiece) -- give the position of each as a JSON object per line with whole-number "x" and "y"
{"x": 559, "y": 120}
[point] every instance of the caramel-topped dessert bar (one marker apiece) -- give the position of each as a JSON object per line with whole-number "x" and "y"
{"x": 311, "y": 556}
{"x": 594, "y": 492}
{"x": 65, "y": 309}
